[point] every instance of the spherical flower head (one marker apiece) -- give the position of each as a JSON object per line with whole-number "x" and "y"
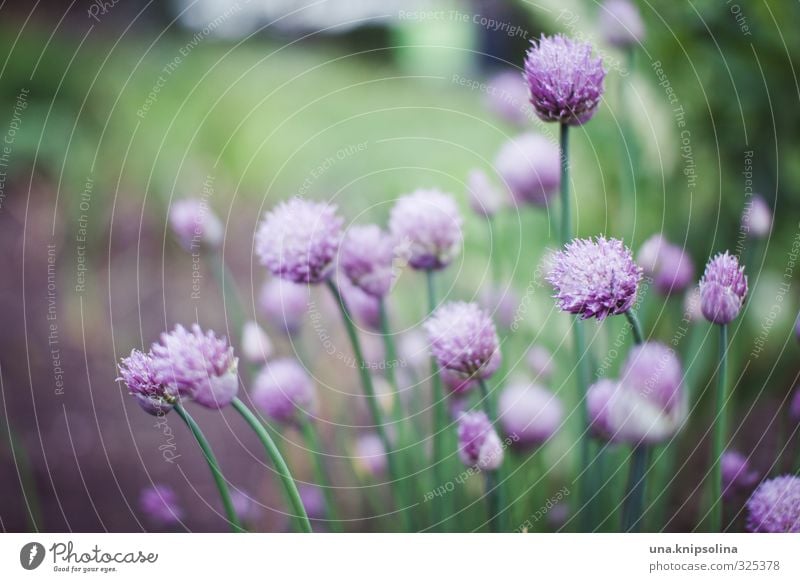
{"x": 530, "y": 167}
{"x": 370, "y": 455}
{"x": 655, "y": 372}
{"x": 463, "y": 339}
{"x": 195, "y": 225}
{"x": 774, "y": 507}
{"x": 794, "y": 406}
{"x": 723, "y": 289}
{"x": 299, "y": 239}
{"x": 565, "y": 82}
{"x": 736, "y": 473}
{"x": 138, "y": 373}
{"x": 757, "y": 218}
{"x": 670, "y": 267}
{"x": 484, "y": 199}
{"x": 198, "y": 365}
{"x": 367, "y": 259}
{"x": 478, "y": 442}
{"x": 530, "y": 412}
{"x": 621, "y": 23}
{"x": 508, "y": 98}
{"x": 426, "y": 227}
{"x": 540, "y": 362}
{"x": 284, "y": 304}
{"x": 160, "y": 504}
{"x": 621, "y": 413}
{"x": 256, "y": 345}
{"x": 283, "y": 390}
{"x": 595, "y": 278}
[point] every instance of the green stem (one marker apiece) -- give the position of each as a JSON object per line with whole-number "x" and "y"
{"x": 494, "y": 485}
{"x": 390, "y": 352}
{"x": 636, "y": 328}
{"x": 321, "y": 475}
{"x": 280, "y": 465}
{"x": 719, "y": 434}
{"x": 633, "y": 504}
{"x": 219, "y": 479}
{"x": 566, "y": 218}
{"x": 372, "y": 401}
{"x": 439, "y": 407}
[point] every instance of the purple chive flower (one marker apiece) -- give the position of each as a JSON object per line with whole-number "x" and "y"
{"x": 256, "y": 345}
{"x": 138, "y": 373}
{"x": 370, "y": 456}
{"x": 456, "y": 383}
{"x": 367, "y": 257}
{"x": 484, "y": 199}
{"x": 507, "y": 97}
{"x": 501, "y": 303}
{"x": 621, "y": 23}
{"x": 426, "y": 226}
{"x": 160, "y": 504}
{"x": 723, "y": 289}
{"x": 198, "y": 365}
{"x": 595, "y": 278}
{"x": 564, "y": 80}
{"x": 648, "y": 405}
{"x": 757, "y": 218}
{"x": 299, "y": 239}
{"x": 736, "y": 473}
{"x": 195, "y": 225}
{"x": 540, "y": 362}
{"x": 283, "y": 389}
{"x": 284, "y": 304}
{"x": 478, "y": 443}
{"x": 463, "y": 340}
{"x": 530, "y": 412}
{"x": 670, "y": 267}
{"x": 794, "y": 406}
{"x": 530, "y": 168}
{"x": 775, "y": 506}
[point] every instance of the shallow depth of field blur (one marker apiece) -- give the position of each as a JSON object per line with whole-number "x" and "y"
{"x": 110, "y": 114}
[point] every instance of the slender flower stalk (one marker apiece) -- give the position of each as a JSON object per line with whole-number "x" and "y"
{"x": 440, "y": 419}
{"x": 369, "y": 392}
{"x": 321, "y": 475}
{"x": 566, "y": 217}
{"x": 635, "y": 489}
{"x": 277, "y": 460}
{"x": 720, "y": 432}
{"x": 494, "y": 479}
{"x": 723, "y": 289}
{"x": 219, "y": 479}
